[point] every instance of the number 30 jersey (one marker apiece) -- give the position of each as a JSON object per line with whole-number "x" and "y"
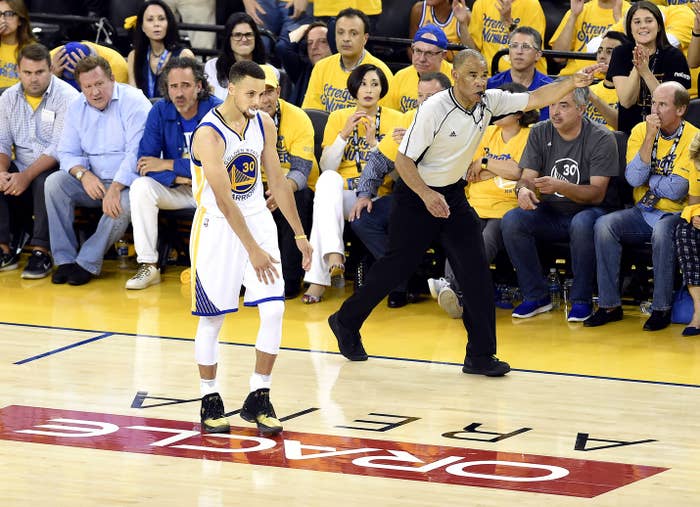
{"x": 241, "y": 160}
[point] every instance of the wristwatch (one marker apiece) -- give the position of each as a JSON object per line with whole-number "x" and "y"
{"x": 512, "y": 26}
{"x": 79, "y": 175}
{"x": 484, "y": 163}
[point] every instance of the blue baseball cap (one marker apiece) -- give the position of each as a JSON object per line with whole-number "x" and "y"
{"x": 75, "y": 48}
{"x": 440, "y": 39}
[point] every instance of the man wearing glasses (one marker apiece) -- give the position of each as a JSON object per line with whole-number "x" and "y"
{"x": 428, "y": 55}
{"x": 525, "y": 50}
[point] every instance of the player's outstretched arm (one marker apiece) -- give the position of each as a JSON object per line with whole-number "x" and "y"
{"x": 208, "y": 147}
{"x": 282, "y": 192}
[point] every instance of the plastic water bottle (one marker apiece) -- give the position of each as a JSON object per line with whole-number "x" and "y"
{"x": 122, "y": 248}
{"x": 554, "y": 288}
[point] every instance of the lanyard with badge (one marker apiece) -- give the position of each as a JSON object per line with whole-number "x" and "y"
{"x": 356, "y": 142}
{"x": 159, "y": 66}
{"x": 649, "y": 199}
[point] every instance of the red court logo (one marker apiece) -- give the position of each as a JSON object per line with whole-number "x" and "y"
{"x": 321, "y": 453}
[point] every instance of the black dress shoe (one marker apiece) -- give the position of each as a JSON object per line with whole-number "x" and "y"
{"x": 397, "y": 299}
{"x": 349, "y": 341}
{"x": 691, "y": 331}
{"x": 602, "y": 316}
{"x": 659, "y": 319}
{"x": 491, "y": 367}
{"x": 79, "y": 276}
{"x": 62, "y": 273}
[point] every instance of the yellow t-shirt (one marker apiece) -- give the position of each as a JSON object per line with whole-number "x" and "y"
{"x": 119, "y": 67}
{"x": 356, "y": 149}
{"x": 295, "y": 137}
{"x": 680, "y": 164}
{"x": 593, "y": 21}
{"x": 332, "y": 8}
{"x": 450, "y": 26}
{"x": 607, "y": 95}
{"x": 33, "y": 101}
{"x": 494, "y": 197}
{"x": 9, "y": 74}
{"x": 403, "y": 94}
{"x": 328, "y": 85}
{"x": 490, "y": 35}
{"x": 387, "y": 145}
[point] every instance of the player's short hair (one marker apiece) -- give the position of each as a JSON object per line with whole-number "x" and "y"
{"x": 245, "y": 68}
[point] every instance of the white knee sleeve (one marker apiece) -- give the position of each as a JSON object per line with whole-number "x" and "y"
{"x": 270, "y": 332}
{"x": 206, "y": 341}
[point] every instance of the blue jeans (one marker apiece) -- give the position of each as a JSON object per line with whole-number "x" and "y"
{"x": 63, "y": 193}
{"x": 522, "y": 229}
{"x": 629, "y": 227}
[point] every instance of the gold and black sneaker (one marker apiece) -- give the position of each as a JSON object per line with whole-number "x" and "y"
{"x": 257, "y": 408}
{"x": 213, "y": 415}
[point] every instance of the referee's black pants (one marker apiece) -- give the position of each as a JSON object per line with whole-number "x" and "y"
{"x": 412, "y": 229}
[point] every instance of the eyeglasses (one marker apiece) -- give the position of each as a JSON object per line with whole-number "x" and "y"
{"x": 427, "y": 54}
{"x": 241, "y": 35}
{"x": 8, "y": 14}
{"x": 524, "y": 46}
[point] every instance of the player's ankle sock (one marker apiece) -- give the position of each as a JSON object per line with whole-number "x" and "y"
{"x": 208, "y": 386}
{"x": 258, "y": 381}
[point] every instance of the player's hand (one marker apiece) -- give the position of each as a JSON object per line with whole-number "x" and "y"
{"x": 527, "y": 199}
{"x": 270, "y": 200}
{"x": 360, "y": 204}
{"x": 264, "y": 265}
{"x": 111, "y": 204}
{"x": 93, "y": 186}
{"x": 306, "y": 250}
{"x": 436, "y": 204}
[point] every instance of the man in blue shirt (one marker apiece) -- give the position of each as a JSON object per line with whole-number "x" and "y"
{"x": 166, "y": 183}
{"x": 97, "y": 155}
{"x": 524, "y": 50}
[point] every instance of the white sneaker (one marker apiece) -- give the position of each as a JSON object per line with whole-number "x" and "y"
{"x": 145, "y": 276}
{"x": 448, "y": 301}
{"x": 436, "y": 285}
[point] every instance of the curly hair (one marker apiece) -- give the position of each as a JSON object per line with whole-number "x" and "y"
{"x": 185, "y": 63}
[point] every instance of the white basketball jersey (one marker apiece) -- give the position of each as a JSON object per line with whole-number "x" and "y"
{"x": 242, "y": 162}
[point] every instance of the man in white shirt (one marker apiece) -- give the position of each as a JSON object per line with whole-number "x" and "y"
{"x": 431, "y": 161}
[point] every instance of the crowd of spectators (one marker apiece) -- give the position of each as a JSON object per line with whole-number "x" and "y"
{"x": 83, "y": 125}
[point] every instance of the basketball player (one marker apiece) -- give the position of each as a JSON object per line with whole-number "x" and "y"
{"x": 234, "y": 240}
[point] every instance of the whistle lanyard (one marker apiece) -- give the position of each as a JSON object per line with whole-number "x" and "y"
{"x": 654, "y": 161}
{"x": 152, "y": 78}
{"x": 356, "y": 139}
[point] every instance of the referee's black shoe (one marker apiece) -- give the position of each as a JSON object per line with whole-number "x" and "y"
{"x": 349, "y": 342}
{"x": 490, "y": 366}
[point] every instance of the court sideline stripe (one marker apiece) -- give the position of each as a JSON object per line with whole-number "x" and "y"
{"x": 67, "y": 347}
{"x": 297, "y": 349}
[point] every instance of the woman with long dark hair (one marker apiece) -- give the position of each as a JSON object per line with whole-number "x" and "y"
{"x": 350, "y": 135}
{"x": 15, "y": 33}
{"x": 242, "y": 41}
{"x": 637, "y": 68}
{"x": 156, "y": 41}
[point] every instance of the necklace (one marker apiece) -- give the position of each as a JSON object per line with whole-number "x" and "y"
{"x": 157, "y": 55}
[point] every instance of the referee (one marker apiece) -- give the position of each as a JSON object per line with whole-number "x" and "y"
{"x": 429, "y": 203}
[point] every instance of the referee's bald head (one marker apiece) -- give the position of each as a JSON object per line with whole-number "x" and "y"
{"x": 465, "y": 55}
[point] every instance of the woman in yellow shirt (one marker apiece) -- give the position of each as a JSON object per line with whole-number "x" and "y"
{"x": 350, "y": 135}
{"x": 15, "y": 33}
